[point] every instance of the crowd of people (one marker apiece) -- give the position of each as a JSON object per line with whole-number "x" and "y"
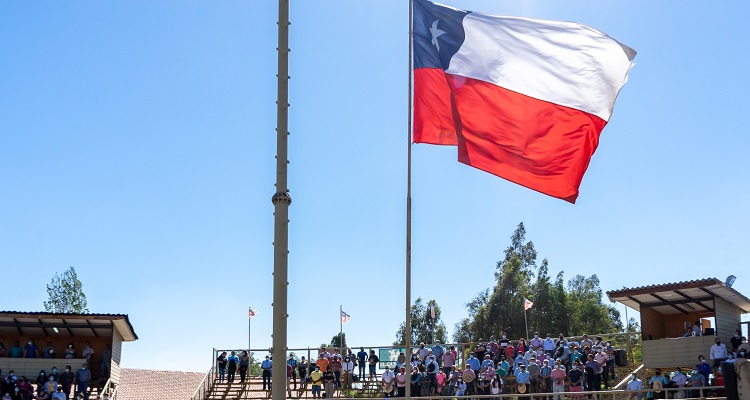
{"x": 50, "y": 386}
{"x": 55, "y": 384}
{"x": 541, "y": 365}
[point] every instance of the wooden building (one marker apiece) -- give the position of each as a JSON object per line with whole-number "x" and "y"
{"x": 669, "y": 311}
{"x": 99, "y": 330}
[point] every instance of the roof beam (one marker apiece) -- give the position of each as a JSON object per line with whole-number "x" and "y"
{"x": 43, "y": 328}
{"x": 707, "y": 291}
{"x": 65, "y": 324}
{"x": 665, "y": 302}
{"x": 636, "y": 300}
{"x": 49, "y": 325}
{"x": 17, "y": 327}
{"x": 92, "y": 328}
{"x": 697, "y": 301}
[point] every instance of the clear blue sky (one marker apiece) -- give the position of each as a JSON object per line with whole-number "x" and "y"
{"x": 137, "y": 144}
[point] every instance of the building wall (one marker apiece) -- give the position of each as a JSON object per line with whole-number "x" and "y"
{"x": 59, "y": 343}
{"x": 727, "y": 319}
{"x": 675, "y": 352}
{"x": 116, "y": 357}
{"x": 652, "y": 325}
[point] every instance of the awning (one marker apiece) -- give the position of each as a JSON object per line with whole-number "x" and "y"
{"x": 680, "y": 297}
{"x": 73, "y": 325}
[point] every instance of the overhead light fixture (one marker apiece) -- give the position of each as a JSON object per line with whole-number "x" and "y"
{"x": 730, "y": 280}
{"x": 55, "y": 329}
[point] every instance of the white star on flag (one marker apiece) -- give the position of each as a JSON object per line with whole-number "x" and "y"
{"x": 436, "y": 33}
{"x": 344, "y": 317}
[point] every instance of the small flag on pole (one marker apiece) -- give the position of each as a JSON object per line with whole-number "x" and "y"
{"x": 251, "y": 312}
{"x": 432, "y": 312}
{"x": 344, "y": 317}
{"x": 527, "y": 304}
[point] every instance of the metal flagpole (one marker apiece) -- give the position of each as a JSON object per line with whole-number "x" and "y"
{"x": 526, "y": 320}
{"x": 407, "y": 325}
{"x": 341, "y": 330}
{"x": 281, "y": 201}
{"x": 249, "y": 318}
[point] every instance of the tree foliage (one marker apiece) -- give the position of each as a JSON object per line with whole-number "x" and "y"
{"x": 66, "y": 294}
{"x": 571, "y": 310}
{"x": 337, "y": 339}
{"x": 423, "y": 327}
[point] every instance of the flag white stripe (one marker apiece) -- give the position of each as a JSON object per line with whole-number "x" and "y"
{"x": 565, "y": 63}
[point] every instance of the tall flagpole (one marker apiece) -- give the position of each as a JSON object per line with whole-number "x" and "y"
{"x": 281, "y": 201}
{"x": 526, "y": 320}
{"x": 407, "y": 325}
{"x": 341, "y": 330}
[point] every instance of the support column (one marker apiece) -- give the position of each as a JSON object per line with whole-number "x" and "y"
{"x": 281, "y": 201}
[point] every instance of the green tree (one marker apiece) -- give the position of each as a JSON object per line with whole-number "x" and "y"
{"x": 66, "y": 294}
{"x": 336, "y": 340}
{"x": 540, "y": 316}
{"x": 423, "y": 327}
{"x": 588, "y": 314}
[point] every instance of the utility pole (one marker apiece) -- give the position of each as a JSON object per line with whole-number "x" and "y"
{"x": 281, "y": 201}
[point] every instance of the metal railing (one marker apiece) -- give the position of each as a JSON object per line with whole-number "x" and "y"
{"x": 205, "y": 386}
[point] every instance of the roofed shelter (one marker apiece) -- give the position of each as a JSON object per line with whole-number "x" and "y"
{"x": 668, "y": 311}
{"x": 60, "y": 329}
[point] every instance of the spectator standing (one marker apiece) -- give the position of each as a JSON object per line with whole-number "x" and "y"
{"x": 266, "y": 366}
{"x": 49, "y": 387}
{"x": 316, "y": 380}
{"x": 373, "y": 360}
{"x": 329, "y": 382}
{"x": 232, "y": 364}
{"x": 16, "y": 351}
{"x": 593, "y": 374}
{"x": 438, "y": 351}
{"x": 83, "y": 376}
{"x": 494, "y": 348}
{"x": 432, "y": 370}
{"x": 558, "y": 380}
{"x": 657, "y": 382}
{"x": 30, "y": 350}
{"x": 221, "y": 362}
{"x": 522, "y": 376}
{"x": 610, "y": 351}
{"x": 537, "y": 343}
{"x": 681, "y": 381}
{"x": 718, "y": 352}
{"x": 601, "y": 359}
{"x": 695, "y": 382}
{"x": 479, "y": 350}
{"x": 387, "y": 378}
{"x": 322, "y": 363}
{"x": 302, "y": 372}
{"x": 401, "y": 383}
{"x": 736, "y": 341}
{"x": 87, "y": 352}
{"x": 422, "y": 352}
{"x": 335, "y": 365}
{"x": 106, "y": 360}
{"x": 292, "y": 362}
{"x": 460, "y": 387}
{"x": 244, "y": 365}
{"x": 70, "y": 351}
{"x": 361, "y": 362}
{"x": 533, "y": 369}
{"x": 449, "y": 360}
{"x": 545, "y": 374}
{"x": 504, "y": 342}
{"x": 496, "y": 386}
{"x": 348, "y": 368}
{"x": 633, "y": 385}
{"x": 55, "y": 374}
{"x": 67, "y": 379}
{"x": 441, "y": 378}
{"x": 549, "y": 346}
{"x": 49, "y": 351}
{"x": 576, "y": 380}
{"x": 697, "y": 329}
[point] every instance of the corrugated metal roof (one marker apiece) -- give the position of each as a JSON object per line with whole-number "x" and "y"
{"x": 42, "y": 315}
{"x": 693, "y": 294}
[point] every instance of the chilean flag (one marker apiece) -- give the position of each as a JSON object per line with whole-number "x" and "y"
{"x": 523, "y": 99}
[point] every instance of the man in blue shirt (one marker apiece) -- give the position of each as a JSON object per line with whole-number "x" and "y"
{"x": 83, "y": 376}
{"x": 523, "y": 377}
{"x": 437, "y": 351}
{"x": 30, "y": 350}
{"x": 473, "y": 363}
{"x": 266, "y": 365}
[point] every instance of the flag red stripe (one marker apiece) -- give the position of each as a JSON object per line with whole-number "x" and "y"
{"x": 542, "y": 146}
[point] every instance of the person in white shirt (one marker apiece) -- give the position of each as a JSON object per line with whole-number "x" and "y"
{"x": 348, "y": 367}
{"x": 387, "y": 377}
{"x": 635, "y": 384}
{"x": 718, "y": 352}
{"x": 549, "y": 345}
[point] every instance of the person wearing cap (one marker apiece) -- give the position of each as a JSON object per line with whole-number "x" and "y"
{"x": 267, "y": 366}
{"x": 401, "y": 382}
{"x": 586, "y": 342}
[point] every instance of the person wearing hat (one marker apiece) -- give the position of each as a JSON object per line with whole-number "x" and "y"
{"x": 523, "y": 378}
{"x": 657, "y": 382}
{"x": 401, "y": 383}
{"x": 387, "y": 378}
{"x": 469, "y": 376}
